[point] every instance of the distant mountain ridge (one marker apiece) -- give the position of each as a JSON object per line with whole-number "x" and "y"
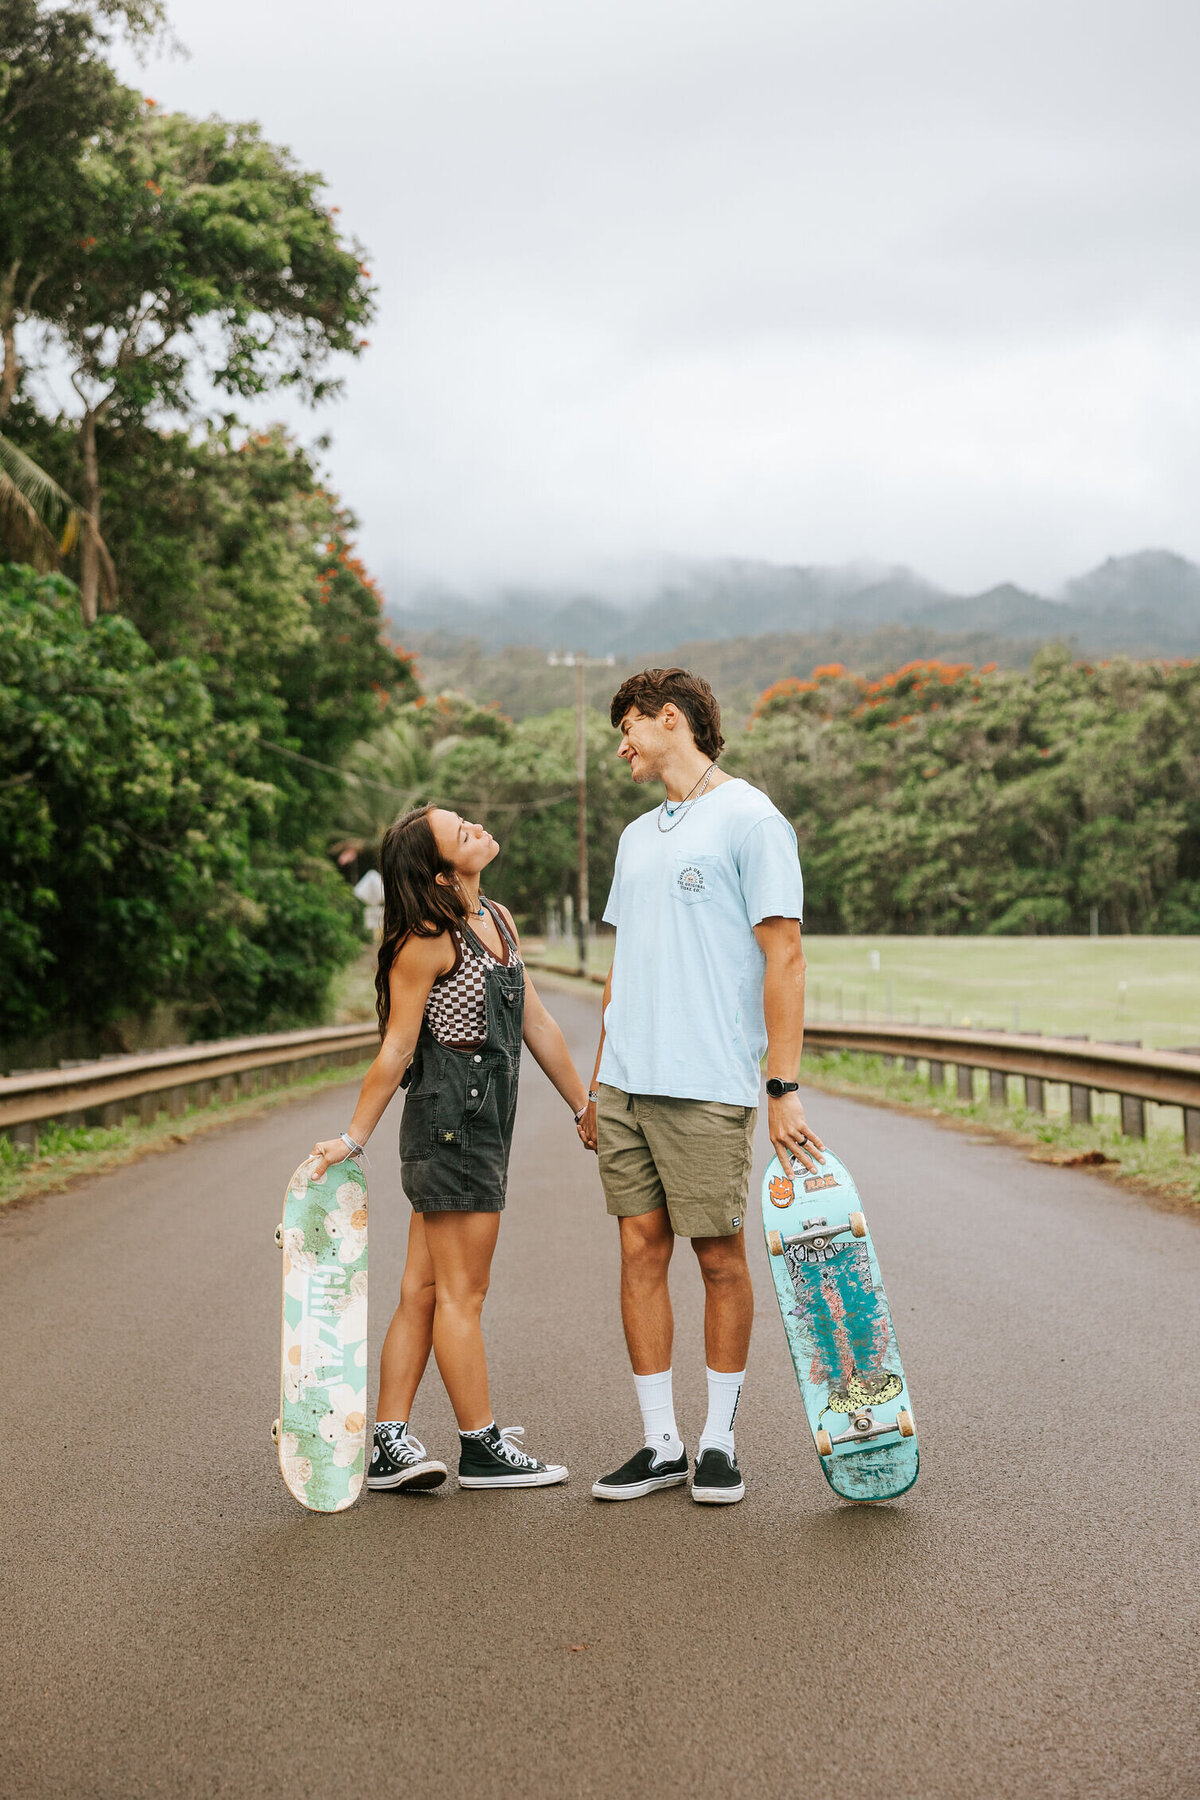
{"x": 1146, "y": 604}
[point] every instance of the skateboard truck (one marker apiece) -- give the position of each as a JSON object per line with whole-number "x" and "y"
{"x": 816, "y": 1234}
{"x": 863, "y": 1427}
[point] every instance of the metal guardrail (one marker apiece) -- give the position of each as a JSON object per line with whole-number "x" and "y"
{"x": 173, "y": 1079}
{"x": 1167, "y": 1077}
{"x": 152, "y": 1081}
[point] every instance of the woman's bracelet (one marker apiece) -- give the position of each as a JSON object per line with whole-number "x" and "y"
{"x": 591, "y": 1100}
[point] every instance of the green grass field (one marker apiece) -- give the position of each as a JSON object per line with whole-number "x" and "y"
{"x": 1109, "y": 987}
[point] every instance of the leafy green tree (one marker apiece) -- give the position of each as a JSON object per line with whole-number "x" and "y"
{"x": 59, "y": 101}
{"x": 208, "y": 251}
{"x": 137, "y": 858}
{"x": 945, "y": 799}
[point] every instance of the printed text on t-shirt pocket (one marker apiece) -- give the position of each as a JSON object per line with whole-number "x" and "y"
{"x": 695, "y": 878}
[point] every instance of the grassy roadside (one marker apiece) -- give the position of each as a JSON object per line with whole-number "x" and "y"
{"x": 1155, "y": 1166}
{"x": 68, "y": 1154}
{"x": 1119, "y": 988}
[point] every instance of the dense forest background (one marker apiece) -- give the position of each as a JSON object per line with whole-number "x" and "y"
{"x": 206, "y": 721}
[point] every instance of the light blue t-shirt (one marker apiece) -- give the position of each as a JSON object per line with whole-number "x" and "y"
{"x": 686, "y": 1013}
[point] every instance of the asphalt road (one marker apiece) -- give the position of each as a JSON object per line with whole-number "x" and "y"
{"x": 1024, "y": 1623}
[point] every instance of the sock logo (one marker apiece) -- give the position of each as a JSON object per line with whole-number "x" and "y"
{"x": 736, "y": 1404}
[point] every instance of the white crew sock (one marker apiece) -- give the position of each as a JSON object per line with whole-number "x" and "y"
{"x": 724, "y": 1392}
{"x": 658, "y": 1416}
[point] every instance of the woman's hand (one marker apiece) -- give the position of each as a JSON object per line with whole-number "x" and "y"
{"x": 322, "y": 1155}
{"x": 586, "y": 1126}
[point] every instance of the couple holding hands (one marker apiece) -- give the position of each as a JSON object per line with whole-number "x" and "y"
{"x": 707, "y": 973}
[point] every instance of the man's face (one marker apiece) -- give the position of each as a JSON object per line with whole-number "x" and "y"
{"x": 644, "y": 742}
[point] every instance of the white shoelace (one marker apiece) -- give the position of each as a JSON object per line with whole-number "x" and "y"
{"x": 398, "y": 1444}
{"x": 512, "y": 1453}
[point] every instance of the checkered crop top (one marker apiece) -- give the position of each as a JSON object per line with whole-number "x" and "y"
{"x": 456, "y": 1010}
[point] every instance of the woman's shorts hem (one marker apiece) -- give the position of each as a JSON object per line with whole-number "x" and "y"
{"x": 444, "y": 1203}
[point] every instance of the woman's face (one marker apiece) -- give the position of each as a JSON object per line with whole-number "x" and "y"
{"x": 467, "y": 848}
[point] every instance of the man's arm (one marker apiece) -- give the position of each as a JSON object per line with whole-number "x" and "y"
{"x": 783, "y": 1009}
{"x": 590, "y": 1115}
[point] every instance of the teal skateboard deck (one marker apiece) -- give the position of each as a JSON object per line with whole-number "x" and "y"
{"x": 321, "y": 1431}
{"x": 839, "y": 1330}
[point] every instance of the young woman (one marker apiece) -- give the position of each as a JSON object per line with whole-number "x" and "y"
{"x": 454, "y": 1003}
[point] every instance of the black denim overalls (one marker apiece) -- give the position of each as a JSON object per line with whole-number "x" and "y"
{"x": 457, "y": 1127}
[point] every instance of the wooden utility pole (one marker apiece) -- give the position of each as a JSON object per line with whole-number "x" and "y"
{"x": 581, "y": 662}
{"x": 581, "y": 904}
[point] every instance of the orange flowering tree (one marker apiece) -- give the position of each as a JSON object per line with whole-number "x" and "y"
{"x": 945, "y": 798}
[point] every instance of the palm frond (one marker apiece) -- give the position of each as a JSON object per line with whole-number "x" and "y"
{"x": 39, "y": 522}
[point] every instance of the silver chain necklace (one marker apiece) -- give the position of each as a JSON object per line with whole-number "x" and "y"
{"x": 684, "y": 806}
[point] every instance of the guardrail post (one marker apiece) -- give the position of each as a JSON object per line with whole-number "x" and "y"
{"x": 937, "y": 1074}
{"x": 1133, "y": 1110}
{"x": 176, "y": 1102}
{"x": 1191, "y": 1130}
{"x": 1035, "y": 1093}
{"x": 112, "y": 1115}
{"x": 1133, "y": 1116}
{"x": 25, "y": 1137}
{"x": 997, "y": 1087}
{"x": 1081, "y": 1097}
{"x": 965, "y": 1076}
{"x": 147, "y": 1108}
{"x": 226, "y": 1087}
{"x": 910, "y": 1065}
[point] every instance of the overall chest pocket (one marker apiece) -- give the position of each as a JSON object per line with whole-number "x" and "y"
{"x": 694, "y": 879}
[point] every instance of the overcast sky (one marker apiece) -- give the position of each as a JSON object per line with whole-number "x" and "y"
{"x": 914, "y": 280}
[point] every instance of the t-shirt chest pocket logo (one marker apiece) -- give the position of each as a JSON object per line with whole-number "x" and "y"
{"x": 694, "y": 879}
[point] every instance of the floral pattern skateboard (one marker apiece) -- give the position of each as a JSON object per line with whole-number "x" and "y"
{"x": 839, "y": 1330}
{"x": 321, "y": 1431}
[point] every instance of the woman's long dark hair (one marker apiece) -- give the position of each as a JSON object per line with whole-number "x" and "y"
{"x": 414, "y": 900}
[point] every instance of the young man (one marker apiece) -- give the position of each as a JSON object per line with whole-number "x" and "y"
{"x": 707, "y": 973}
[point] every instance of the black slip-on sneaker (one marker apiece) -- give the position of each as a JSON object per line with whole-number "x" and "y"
{"x": 642, "y": 1474}
{"x": 718, "y": 1480}
{"x": 495, "y": 1461}
{"x": 399, "y": 1461}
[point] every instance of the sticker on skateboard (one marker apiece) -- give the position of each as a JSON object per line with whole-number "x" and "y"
{"x": 321, "y": 1431}
{"x": 839, "y": 1330}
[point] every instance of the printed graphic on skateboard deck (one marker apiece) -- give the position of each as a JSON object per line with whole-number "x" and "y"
{"x": 321, "y": 1430}
{"x": 839, "y": 1330}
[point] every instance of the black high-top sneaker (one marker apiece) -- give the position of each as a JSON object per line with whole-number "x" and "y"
{"x": 493, "y": 1460}
{"x": 398, "y": 1460}
{"x": 718, "y": 1480}
{"x": 641, "y": 1475}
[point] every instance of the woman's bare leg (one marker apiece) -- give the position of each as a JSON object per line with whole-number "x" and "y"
{"x": 410, "y": 1335}
{"x": 460, "y": 1247}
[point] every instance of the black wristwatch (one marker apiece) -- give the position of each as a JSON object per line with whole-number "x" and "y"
{"x": 777, "y": 1089}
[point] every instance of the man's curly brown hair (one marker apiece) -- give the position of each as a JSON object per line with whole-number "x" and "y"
{"x": 650, "y": 691}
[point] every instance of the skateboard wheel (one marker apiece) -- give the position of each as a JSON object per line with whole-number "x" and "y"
{"x": 904, "y": 1424}
{"x": 275, "y": 1431}
{"x": 775, "y": 1243}
{"x": 858, "y": 1225}
{"x": 279, "y": 1236}
{"x": 824, "y": 1444}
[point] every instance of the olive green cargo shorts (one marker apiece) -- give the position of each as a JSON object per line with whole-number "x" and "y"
{"x": 691, "y": 1156}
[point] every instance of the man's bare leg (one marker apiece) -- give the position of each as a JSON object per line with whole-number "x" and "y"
{"x": 646, "y": 1245}
{"x": 728, "y": 1300}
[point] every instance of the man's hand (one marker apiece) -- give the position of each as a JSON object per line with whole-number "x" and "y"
{"x": 790, "y": 1134}
{"x": 587, "y": 1126}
